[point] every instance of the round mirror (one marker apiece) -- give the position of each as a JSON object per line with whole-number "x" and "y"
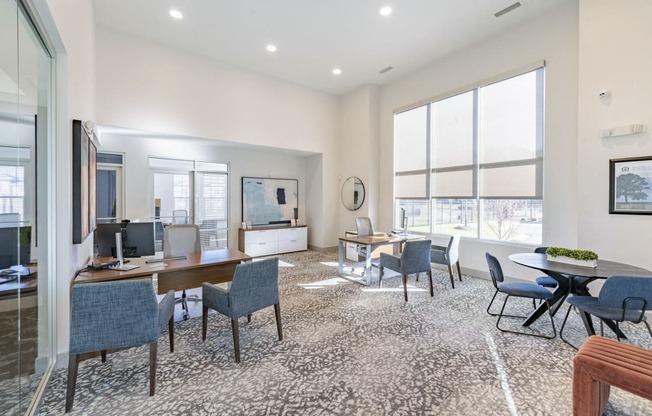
{"x": 353, "y": 193}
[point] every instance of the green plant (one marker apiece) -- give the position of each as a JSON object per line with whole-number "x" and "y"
{"x": 573, "y": 254}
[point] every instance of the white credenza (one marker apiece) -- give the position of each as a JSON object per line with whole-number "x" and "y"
{"x": 272, "y": 240}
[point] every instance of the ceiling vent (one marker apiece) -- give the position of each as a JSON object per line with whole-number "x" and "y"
{"x": 386, "y": 69}
{"x": 508, "y": 9}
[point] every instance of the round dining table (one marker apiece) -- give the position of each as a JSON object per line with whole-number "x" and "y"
{"x": 567, "y": 283}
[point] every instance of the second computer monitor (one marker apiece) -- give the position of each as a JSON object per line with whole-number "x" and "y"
{"x": 138, "y": 239}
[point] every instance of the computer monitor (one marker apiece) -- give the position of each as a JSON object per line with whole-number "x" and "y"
{"x": 138, "y": 239}
{"x": 15, "y": 246}
{"x": 403, "y": 219}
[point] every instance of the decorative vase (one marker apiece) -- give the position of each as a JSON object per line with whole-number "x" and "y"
{"x": 569, "y": 260}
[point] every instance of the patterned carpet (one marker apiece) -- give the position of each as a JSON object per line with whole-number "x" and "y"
{"x": 348, "y": 350}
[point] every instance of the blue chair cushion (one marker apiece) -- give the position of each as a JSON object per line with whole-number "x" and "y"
{"x": 546, "y": 281}
{"x": 592, "y": 305}
{"x": 528, "y": 290}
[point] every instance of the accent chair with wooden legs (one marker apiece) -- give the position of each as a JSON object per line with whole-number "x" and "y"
{"x": 415, "y": 258}
{"x": 254, "y": 287}
{"x": 116, "y": 314}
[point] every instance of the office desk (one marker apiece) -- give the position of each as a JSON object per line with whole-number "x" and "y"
{"x": 213, "y": 266}
{"x": 371, "y": 242}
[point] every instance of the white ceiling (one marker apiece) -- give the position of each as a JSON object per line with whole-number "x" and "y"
{"x": 315, "y": 36}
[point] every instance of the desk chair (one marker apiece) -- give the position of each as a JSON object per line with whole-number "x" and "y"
{"x": 179, "y": 216}
{"x": 117, "y": 314}
{"x": 365, "y": 229}
{"x": 449, "y": 256}
{"x": 516, "y": 289}
{"x": 254, "y": 287}
{"x": 621, "y": 299}
{"x": 179, "y": 240}
{"x": 415, "y": 258}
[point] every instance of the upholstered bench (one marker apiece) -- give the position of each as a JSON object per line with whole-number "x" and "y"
{"x": 601, "y": 363}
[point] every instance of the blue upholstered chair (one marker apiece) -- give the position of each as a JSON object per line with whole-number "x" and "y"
{"x": 415, "y": 258}
{"x": 516, "y": 289}
{"x": 117, "y": 314}
{"x": 621, "y": 299}
{"x": 254, "y": 287}
{"x": 449, "y": 256}
{"x": 545, "y": 281}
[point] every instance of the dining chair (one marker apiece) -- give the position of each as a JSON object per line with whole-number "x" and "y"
{"x": 254, "y": 287}
{"x": 179, "y": 240}
{"x": 448, "y": 255}
{"x": 116, "y": 314}
{"x": 415, "y": 258}
{"x": 621, "y": 299}
{"x": 545, "y": 281}
{"x": 516, "y": 289}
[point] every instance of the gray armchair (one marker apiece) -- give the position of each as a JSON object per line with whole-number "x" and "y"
{"x": 254, "y": 287}
{"x": 415, "y": 258}
{"x": 179, "y": 240}
{"x": 449, "y": 256}
{"x": 117, "y": 314}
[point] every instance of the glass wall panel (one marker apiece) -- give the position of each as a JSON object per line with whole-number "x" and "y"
{"x": 25, "y": 94}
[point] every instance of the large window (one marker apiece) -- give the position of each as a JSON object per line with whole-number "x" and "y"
{"x": 191, "y": 192}
{"x": 472, "y": 163}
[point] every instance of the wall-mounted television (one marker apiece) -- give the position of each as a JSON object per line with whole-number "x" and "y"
{"x": 268, "y": 201}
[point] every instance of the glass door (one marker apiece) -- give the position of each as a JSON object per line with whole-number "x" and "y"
{"x": 25, "y": 95}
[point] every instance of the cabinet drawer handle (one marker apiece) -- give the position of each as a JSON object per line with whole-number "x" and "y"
{"x": 262, "y": 244}
{"x": 293, "y": 241}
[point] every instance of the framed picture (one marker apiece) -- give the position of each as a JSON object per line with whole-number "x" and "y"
{"x": 269, "y": 201}
{"x": 83, "y": 183}
{"x": 630, "y": 186}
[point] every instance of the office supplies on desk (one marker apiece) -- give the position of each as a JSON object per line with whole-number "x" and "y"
{"x": 7, "y": 277}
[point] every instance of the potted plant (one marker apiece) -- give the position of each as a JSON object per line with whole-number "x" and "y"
{"x": 584, "y": 258}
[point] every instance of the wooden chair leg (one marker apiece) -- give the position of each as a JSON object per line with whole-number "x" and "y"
{"x": 103, "y": 355}
{"x": 236, "y": 339}
{"x": 249, "y": 317}
{"x": 152, "y": 367}
{"x": 381, "y": 269}
{"x": 279, "y": 327}
{"x": 450, "y": 272}
{"x": 204, "y": 322}
{"x": 459, "y": 272}
{"x": 73, "y": 365}
{"x": 171, "y": 333}
{"x": 432, "y": 291}
{"x": 405, "y": 286}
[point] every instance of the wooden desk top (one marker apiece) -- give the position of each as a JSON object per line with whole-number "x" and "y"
{"x": 604, "y": 269}
{"x": 377, "y": 240}
{"x": 194, "y": 261}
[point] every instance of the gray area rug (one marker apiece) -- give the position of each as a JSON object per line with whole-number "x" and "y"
{"x": 348, "y": 350}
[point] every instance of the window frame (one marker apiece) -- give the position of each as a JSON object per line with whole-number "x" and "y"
{"x": 478, "y": 166}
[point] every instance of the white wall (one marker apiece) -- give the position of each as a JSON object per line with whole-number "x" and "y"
{"x": 146, "y": 86}
{"x": 248, "y": 161}
{"x": 552, "y": 37}
{"x": 615, "y": 54}
{"x": 358, "y": 153}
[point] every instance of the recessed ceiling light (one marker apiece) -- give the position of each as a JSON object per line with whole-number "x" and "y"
{"x": 337, "y": 71}
{"x": 176, "y": 14}
{"x": 385, "y": 11}
{"x": 271, "y": 48}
